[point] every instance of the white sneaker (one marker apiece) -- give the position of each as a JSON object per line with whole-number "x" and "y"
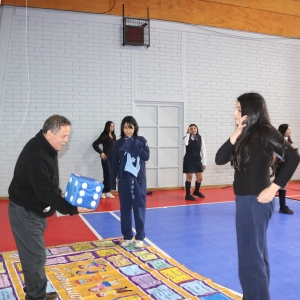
{"x": 109, "y": 195}
{"x": 139, "y": 244}
{"x": 126, "y": 243}
{"x": 103, "y": 195}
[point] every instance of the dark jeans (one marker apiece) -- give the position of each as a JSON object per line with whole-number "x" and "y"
{"x": 28, "y": 230}
{"x": 252, "y": 220}
{"x": 106, "y": 174}
{"x": 139, "y": 211}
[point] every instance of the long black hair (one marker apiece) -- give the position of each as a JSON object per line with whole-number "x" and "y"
{"x": 198, "y": 137}
{"x": 258, "y": 131}
{"x": 282, "y": 129}
{"x": 131, "y": 122}
{"x": 106, "y": 131}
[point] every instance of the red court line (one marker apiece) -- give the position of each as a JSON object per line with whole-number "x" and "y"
{"x": 72, "y": 229}
{"x": 60, "y": 230}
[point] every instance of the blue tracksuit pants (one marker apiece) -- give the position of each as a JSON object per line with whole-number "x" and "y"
{"x": 252, "y": 220}
{"x": 127, "y": 202}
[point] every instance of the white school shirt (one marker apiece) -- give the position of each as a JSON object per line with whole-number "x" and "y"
{"x": 202, "y": 151}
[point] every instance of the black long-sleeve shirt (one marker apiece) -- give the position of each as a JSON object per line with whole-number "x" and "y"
{"x": 257, "y": 176}
{"x": 35, "y": 184}
{"x": 107, "y": 143}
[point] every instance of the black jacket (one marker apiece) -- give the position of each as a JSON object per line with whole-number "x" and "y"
{"x": 257, "y": 178}
{"x": 107, "y": 142}
{"x": 35, "y": 184}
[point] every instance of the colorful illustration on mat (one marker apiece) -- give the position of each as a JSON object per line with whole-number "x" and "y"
{"x": 104, "y": 269}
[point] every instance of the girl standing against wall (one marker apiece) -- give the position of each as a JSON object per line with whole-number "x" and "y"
{"x": 194, "y": 161}
{"x": 107, "y": 138}
{"x": 286, "y": 131}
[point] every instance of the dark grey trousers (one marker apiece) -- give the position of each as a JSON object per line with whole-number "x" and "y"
{"x": 28, "y": 230}
{"x": 252, "y": 220}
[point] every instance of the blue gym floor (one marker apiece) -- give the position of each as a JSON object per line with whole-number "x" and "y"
{"x": 202, "y": 237}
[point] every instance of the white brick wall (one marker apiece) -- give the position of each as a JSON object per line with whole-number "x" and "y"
{"x": 159, "y": 67}
{"x": 78, "y": 68}
{"x": 220, "y": 69}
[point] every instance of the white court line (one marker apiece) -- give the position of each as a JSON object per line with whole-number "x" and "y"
{"x": 232, "y": 291}
{"x": 90, "y": 227}
{"x": 146, "y": 239}
{"x": 290, "y": 197}
{"x": 149, "y": 241}
{"x": 167, "y": 255}
{"x": 191, "y": 204}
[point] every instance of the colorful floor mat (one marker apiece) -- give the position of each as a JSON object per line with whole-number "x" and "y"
{"x": 104, "y": 269}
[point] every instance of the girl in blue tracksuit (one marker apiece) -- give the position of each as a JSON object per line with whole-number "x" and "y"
{"x": 130, "y": 153}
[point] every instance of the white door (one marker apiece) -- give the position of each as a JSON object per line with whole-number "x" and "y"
{"x": 161, "y": 125}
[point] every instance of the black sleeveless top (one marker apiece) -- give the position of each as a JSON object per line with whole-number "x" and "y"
{"x": 193, "y": 149}
{"x": 192, "y": 158}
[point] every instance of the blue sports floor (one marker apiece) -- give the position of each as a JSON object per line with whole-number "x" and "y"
{"x": 202, "y": 237}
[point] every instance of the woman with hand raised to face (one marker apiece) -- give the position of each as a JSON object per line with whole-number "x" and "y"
{"x": 250, "y": 150}
{"x": 194, "y": 161}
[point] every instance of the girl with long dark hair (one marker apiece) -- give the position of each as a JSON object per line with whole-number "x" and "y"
{"x": 129, "y": 158}
{"x": 107, "y": 138}
{"x": 286, "y": 131}
{"x": 250, "y": 150}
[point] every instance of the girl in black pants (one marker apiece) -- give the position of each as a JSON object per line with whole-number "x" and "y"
{"x": 286, "y": 131}
{"x": 107, "y": 138}
{"x": 250, "y": 150}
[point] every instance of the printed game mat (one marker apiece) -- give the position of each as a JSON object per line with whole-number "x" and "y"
{"x": 104, "y": 269}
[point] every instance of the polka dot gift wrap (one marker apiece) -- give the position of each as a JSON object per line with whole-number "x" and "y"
{"x": 83, "y": 191}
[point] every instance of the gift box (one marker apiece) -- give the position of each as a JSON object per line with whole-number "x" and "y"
{"x": 83, "y": 191}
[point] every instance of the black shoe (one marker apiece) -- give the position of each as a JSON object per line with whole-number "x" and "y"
{"x": 51, "y": 296}
{"x": 199, "y": 194}
{"x": 286, "y": 210}
{"x": 190, "y": 197}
